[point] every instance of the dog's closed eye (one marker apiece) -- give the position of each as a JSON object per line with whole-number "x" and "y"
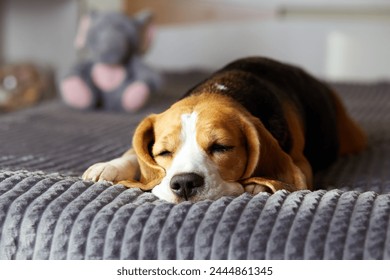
{"x": 164, "y": 153}
{"x": 219, "y": 148}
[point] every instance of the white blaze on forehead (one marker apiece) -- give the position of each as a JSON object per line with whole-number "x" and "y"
{"x": 191, "y": 158}
{"x": 190, "y": 154}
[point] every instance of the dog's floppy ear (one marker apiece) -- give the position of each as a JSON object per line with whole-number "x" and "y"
{"x": 266, "y": 159}
{"x": 252, "y": 145}
{"x": 143, "y": 140}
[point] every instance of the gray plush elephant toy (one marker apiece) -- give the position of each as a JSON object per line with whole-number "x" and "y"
{"x": 113, "y": 77}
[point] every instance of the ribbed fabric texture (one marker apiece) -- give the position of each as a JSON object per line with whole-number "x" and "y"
{"x": 52, "y": 217}
{"x": 48, "y": 212}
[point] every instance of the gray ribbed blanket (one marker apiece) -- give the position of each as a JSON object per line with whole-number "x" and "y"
{"x": 48, "y": 212}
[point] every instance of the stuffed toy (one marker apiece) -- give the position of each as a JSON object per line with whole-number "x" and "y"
{"x": 24, "y": 85}
{"x": 113, "y": 76}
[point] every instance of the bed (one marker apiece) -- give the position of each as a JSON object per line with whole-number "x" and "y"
{"x": 48, "y": 212}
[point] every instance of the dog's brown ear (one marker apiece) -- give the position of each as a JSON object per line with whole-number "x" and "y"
{"x": 252, "y": 145}
{"x": 143, "y": 140}
{"x": 266, "y": 159}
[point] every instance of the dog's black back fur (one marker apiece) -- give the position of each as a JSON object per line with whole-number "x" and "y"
{"x": 262, "y": 85}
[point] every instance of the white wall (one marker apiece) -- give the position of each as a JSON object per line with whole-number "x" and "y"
{"x": 1, "y": 30}
{"x": 340, "y": 49}
{"x": 359, "y": 53}
{"x": 326, "y": 42}
{"x": 342, "y": 41}
{"x": 104, "y": 5}
{"x": 40, "y": 31}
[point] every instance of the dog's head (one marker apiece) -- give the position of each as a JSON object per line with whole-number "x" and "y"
{"x": 203, "y": 147}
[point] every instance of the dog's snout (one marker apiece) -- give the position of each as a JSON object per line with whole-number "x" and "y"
{"x": 186, "y": 184}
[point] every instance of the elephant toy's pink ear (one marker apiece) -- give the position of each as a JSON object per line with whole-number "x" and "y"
{"x": 145, "y": 25}
{"x": 82, "y": 30}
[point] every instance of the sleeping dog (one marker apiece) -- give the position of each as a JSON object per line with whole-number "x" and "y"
{"x": 255, "y": 125}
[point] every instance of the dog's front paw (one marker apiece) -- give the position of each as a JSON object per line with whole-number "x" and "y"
{"x": 257, "y": 185}
{"x": 255, "y": 189}
{"x": 102, "y": 171}
{"x": 114, "y": 171}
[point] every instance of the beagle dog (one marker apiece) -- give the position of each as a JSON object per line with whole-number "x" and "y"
{"x": 255, "y": 125}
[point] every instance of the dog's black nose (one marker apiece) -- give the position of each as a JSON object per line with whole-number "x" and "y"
{"x": 186, "y": 184}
